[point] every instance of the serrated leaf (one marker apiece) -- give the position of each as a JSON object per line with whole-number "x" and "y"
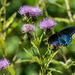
{"x": 11, "y": 70}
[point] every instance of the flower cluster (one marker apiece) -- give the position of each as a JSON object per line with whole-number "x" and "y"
{"x": 4, "y": 63}
{"x": 32, "y": 11}
{"x": 46, "y": 24}
{"x": 27, "y": 28}
{"x": 29, "y": 10}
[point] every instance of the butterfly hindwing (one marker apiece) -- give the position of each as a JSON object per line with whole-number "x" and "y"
{"x": 64, "y": 40}
{"x": 53, "y": 39}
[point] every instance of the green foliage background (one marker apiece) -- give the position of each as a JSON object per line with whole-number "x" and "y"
{"x": 56, "y": 9}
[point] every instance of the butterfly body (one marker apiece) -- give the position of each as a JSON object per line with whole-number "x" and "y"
{"x": 64, "y": 37}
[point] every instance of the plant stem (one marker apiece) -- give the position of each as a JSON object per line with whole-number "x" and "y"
{"x": 3, "y": 26}
{"x": 43, "y": 70}
{"x": 44, "y": 4}
{"x": 33, "y": 52}
{"x": 68, "y": 10}
{"x": 63, "y": 55}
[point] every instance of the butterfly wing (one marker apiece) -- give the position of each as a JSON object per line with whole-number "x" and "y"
{"x": 65, "y": 37}
{"x": 68, "y": 31}
{"x": 53, "y": 39}
{"x": 64, "y": 40}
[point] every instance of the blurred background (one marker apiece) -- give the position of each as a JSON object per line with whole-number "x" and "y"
{"x": 55, "y": 9}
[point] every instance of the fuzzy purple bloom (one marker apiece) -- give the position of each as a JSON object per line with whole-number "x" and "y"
{"x": 46, "y": 23}
{"x": 4, "y": 63}
{"x": 29, "y": 10}
{"x": 27, "y": 28}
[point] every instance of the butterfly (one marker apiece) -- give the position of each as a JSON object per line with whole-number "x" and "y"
{"x": 64, "y": 37}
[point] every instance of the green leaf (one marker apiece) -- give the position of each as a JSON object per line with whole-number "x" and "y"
{"x": 72, "y": 64}
{"x": 62, "y": 19}
{"x": 2, "y": 46}
{"x": 2, "y": 43}
{"x": 59, "y": 63}
{"x": 33, "y": 58}
{"x": 50, "y": 59}
{"x": 24, "y": 60}
{"x": 49, "y": 73}
{"x": 73, "y": 36}
{"x": 13, "y": 26}
{"x": 73, "y": 16}
{"x": 29, "y": 54}
{"x": 41, "y": 38}
{"x": 10, "y": 20}
{"x": 2, "y": 2}
{"x": 73, "y": 73}
{"x": 37, "y": 41}
{"x": 11, "y": 70}
{"x": 38, "y": 60}
{"x": 1, "y": 9}
{"x": 73, "y": 42}
{"x": 29, "y": 60}
{"x": 7, "y": 4}
{"x": 34, "y": 45}
{"x": 0, "y": 26}
{"x": 53, "y": 69}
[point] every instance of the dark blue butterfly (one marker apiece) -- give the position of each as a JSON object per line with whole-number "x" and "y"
{"x": 64, "y": 37}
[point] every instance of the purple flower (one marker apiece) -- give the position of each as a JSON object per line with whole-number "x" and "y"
{"x": 46, "y": 24}
{"x": 29, "y": 10}
{"x": 27, "y": 28}
{"x": 4, "y": 63}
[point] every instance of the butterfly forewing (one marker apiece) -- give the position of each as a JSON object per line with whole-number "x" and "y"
{"x": 68, "y": 31}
